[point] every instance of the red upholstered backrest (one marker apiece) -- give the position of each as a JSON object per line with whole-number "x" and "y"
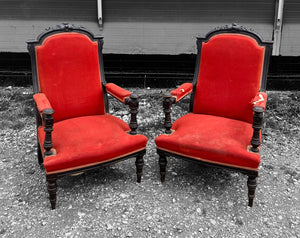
{"x": 229, "y": 76}
{"x": 68, "y": 73}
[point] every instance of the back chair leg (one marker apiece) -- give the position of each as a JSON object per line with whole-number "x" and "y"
{"x": 39, "y": 153}
{"x": 52, "y": 189}
{"x": 139, "y": 163}
{"x": 162, "y": 166}
{"x": 252, "y": 183}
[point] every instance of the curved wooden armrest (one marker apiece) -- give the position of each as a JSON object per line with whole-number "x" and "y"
{"x": 46, "y": 111}
{"x": 117, "y": 92}
{"x": 182, "y": 91}
{"x": 41, "y": 102}
{"x": 260, "y": 100}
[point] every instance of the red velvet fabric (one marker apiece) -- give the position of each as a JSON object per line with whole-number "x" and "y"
{"x": 69, "y": 75}
{"x": 84, "y": 141}
{"x": 211, "y": 139}
{"x": 260, "y": 100}
{"x": 41, "y": 102}
{"x": 229, "y": 76}
{"x": 182, "y": 91}
{"x": 118, "y": 92}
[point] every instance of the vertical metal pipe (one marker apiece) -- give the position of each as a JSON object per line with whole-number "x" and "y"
{"x": 100, "y": 17}
{"x": 278, "y": 26}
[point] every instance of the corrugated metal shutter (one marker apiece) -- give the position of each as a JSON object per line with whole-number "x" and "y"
{"x": 48, "y": 10}
{"x": 170, "y": 26}
{"x": 134, "y": 26}
{"x": 290, "y": 42}
{"x": 22, "y": 20}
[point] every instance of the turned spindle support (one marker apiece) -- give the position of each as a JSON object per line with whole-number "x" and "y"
{"x": 257, "y": 126}
{"x": 133, "y": 103}
{"x": 48, "y": 122}
{"x": 168, "y": 100}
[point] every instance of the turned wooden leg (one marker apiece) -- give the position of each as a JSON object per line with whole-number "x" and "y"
{"x": 39, "y": 154}
{"x": 52, "y": 188}
{"x": 162, "y": 166}
{"x": 251, "y": 188}
{"x": 139, "y": 163}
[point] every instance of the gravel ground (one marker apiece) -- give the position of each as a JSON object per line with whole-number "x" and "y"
{"x": 195, "y": 201}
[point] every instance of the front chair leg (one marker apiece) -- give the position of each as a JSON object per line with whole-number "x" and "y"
{"x": 52, "y": 189}
{"x": 252, "y": 183}
{"x": 162, "y": 166}
{"x": 139, "y": 163}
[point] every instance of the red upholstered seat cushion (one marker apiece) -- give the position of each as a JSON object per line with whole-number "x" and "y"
{"x": 84, "y": 141}
{"x": 229, "y": 76}
{"x": 69, "y": 75}
{"x": 211, "y": 139}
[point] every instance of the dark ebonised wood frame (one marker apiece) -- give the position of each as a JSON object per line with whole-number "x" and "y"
{"x": 168, "y": 100}
{"x": 47, "y": 118}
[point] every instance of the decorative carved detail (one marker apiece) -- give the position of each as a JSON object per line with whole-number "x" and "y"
{"x": 257, "y": 126}
{"x": 65, "y": 27}
{"x": 168, "y": 100}
{"x": 139, "y": 163}
{"x": 162, "y": 166}
{"x": 48, "y": 120}
{"x": 251, "y": 183}
{"x": 233, "y": 27}
{"x": 52, "y": 189}
{"x": 133, "y": 103}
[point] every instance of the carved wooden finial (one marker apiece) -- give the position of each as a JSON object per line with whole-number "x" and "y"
{"x": 167, "y": 104}
{"x": 133, "y": 103}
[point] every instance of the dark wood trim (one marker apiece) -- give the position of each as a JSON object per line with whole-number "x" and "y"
{"x": 267, "y": 57}
{"x": 52, "y": 189}
{"x": 63, "y": 27}
{"x": 139, "y": 163}
{"x": 257, "y": 126}
{"x": 93, "y": 167}
{"x": 133, "y": 103}
{"x": 48, "y": 119}
{"x": 168, "y": 100}
{"x": 241, "y": 170}
{"x": 39, "y": 153}
{"x": 196, "y": 74}
{"x": 251, "y": 184}
{"x": 162, "y": 165}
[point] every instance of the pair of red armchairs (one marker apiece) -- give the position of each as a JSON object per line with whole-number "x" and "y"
{"x": 76, "y": 133}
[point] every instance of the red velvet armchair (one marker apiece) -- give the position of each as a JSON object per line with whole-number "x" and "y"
{"x": 223, "y": 126}
{"x": 74, "y": 128}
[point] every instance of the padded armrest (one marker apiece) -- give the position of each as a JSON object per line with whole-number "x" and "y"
{"x": 42, "y": 102}
{"x": 117, "y": 92}
{"x": 260, "y": 100}
{"x": 182, "y": 91}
